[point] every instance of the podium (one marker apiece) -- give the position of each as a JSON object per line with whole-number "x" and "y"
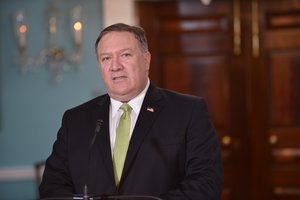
{"x": 105, "y": 197}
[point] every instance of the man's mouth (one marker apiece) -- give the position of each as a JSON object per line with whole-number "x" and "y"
{"x": 118, "y": 78}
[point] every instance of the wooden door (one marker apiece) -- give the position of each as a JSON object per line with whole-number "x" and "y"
{"x": 277, "y": 77}
{"x": 243, "y": 56}
{"x": 192, "y": 50}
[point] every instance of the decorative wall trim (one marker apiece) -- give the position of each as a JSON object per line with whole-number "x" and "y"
{"x": 123, "y": 11}
{"x": 17, "y": 173}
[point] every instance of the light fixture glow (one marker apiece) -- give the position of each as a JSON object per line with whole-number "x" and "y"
{"x": 77, "y": 26}
{"x": 206, "y": 2}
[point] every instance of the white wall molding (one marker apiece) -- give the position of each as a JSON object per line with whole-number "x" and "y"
{"x": 119, "y": 11}
{"x": 17, "y": 173}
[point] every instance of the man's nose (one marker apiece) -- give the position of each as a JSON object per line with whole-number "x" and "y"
{"x": 116, "y": 64}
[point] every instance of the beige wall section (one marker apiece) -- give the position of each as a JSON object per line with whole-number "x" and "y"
{"x": 119, "y": 11}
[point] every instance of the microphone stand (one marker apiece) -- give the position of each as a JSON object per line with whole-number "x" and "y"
{"x": 99, "y": 123}
{"x": 85, "y": 192}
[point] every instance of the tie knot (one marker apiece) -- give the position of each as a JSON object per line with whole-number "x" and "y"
{"x": 126, "y": 107}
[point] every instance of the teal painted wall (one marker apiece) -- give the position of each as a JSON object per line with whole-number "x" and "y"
{"x": 31, "y": 105}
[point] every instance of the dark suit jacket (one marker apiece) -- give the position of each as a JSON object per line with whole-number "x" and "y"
{"x": 173, "y": 153}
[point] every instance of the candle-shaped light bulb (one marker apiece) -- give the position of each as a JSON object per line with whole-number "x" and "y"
{"x": 22, "y": 35}
{"x": 78, "y": 32}
{"x": 52, "y": 25}
{"x": 21, "y": 29}
{"x": 77, "y": 25}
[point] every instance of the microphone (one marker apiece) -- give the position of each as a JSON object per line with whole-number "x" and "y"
{"x": 99, "y": 123}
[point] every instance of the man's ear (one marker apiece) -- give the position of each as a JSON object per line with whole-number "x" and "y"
{"x": 147, "y": 58}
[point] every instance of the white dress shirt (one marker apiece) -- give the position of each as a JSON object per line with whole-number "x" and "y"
{"x": 115, "y": 114}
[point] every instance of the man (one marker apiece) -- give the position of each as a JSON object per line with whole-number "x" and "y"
{"x": 172, "y": 151}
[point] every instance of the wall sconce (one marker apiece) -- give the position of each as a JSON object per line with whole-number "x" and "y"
{"x": 53, "y": 56}
{"x": 21, "y": 31}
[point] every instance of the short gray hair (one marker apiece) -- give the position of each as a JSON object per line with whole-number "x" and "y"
{"x": 138, "y": 33}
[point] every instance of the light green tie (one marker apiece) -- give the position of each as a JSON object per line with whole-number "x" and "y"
{"x": 122, "y": 142}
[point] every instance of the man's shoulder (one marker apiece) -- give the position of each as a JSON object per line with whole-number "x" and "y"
{"x": 173, "y": 95}
{"x": 90, "y": 104}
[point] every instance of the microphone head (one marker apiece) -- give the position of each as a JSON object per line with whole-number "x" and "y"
{"x": 98, "y": 125}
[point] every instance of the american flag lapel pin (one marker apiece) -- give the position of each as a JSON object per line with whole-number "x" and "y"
{"x": 149, "y": 109}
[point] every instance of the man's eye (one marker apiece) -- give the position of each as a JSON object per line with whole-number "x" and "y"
{"x": 105, "y": 59}
{"x": 125, "y": 55}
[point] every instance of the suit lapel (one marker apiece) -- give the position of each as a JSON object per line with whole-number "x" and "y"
{"x": 151, "y": 107}
{"x": 103, "y": 140}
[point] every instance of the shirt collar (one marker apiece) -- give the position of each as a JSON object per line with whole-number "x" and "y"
{"x": 135, "y": 103}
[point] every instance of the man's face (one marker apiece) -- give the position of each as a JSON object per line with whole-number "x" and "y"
{"x": 124, "y": 66}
